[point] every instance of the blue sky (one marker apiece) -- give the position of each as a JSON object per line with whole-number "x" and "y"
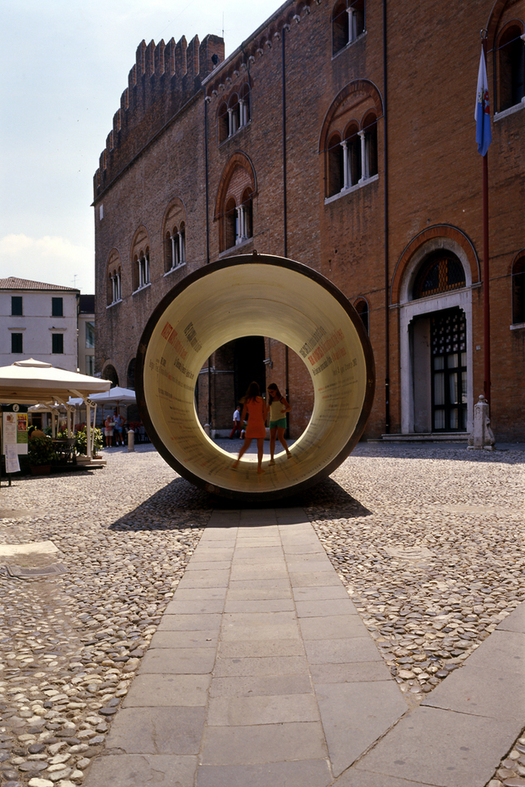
{"x": 65, "y": 66}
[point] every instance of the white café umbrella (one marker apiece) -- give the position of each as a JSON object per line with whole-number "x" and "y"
{"x": 116, "y": 395}
{"x": 33, "y": 382}
{"x": 37, "y": 382}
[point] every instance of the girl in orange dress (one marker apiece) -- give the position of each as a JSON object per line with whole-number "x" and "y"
{"x": 255, "y": 408}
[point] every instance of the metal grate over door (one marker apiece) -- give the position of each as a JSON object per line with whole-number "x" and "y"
{"x": 449, "y": 371}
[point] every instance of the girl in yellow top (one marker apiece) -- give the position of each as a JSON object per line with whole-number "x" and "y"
{"x": 277, "y": 407}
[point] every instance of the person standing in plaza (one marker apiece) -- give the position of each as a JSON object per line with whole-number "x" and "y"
{"x": 236, "y": 423}
{"x": 277, "y": 409}
{"x": 109, "y": 425}
{"x": 119, "y": 423}
{"x": 255, "y": 409}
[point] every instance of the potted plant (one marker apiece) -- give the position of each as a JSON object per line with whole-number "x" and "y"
{"x": 41, "y": 455}
{"x": 81, "y": 441}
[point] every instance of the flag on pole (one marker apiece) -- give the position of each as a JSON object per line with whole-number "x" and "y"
{"x": 482, "y": 109}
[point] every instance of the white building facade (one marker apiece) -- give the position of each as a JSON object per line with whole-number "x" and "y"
{"x": 86, "y": 334}
{"x": 38, "y": 320}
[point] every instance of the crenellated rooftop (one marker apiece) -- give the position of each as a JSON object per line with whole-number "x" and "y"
{"x": 166, "y": 76}
{"x": 268, "y": 35}
{"x": 163, "y": 79}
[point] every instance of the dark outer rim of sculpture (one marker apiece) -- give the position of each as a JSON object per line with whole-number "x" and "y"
{"x": 175, "y": 292}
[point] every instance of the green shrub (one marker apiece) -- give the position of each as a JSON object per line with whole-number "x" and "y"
{"x": 81, "y": 441}
{"x": 41, "y": 451}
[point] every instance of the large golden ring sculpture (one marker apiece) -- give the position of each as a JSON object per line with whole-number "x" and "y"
{"x": 255, "y": 295}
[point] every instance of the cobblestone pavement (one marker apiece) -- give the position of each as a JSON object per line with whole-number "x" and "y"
{"x": 428, "y": 541}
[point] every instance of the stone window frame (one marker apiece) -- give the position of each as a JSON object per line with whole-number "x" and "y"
{"x": 349, "y": 140}
{"x": 18, "y": 309}
{"x": 234, "y": 113}
{"x": 352, "y": 157}
{"x": 174, "y": 236}
{"x": 234, "y": 211}
{"x": 140, "y": 261}
{"x": 176, "y": 247}
{"x": 348, "y": 23}
{"x": 19, "y": 339}
{"x": 89, "y": 342}
{"x": 114, "y": 279}
{"x": 238, "y": 221}
{"x": 506, "y": 66}
{"x": 142, "y": 264}
{"x": 518, "y": 291}
{"x": 244, "y": 228}
{"x": 57, "y": 306}
{"x": 57, "y": 347}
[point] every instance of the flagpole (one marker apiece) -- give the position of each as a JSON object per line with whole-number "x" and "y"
{"x": 486, "y": 294}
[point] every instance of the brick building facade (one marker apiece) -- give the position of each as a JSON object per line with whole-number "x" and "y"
{"x": 342, "y": 135}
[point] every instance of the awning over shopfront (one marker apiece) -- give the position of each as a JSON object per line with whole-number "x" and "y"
{"x": 36, "y": 382}
{"x": 32, "y": 382}
{"x": 115, "y": 396}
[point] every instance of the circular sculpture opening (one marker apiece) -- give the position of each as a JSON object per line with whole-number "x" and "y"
{"x": 255, "y": 295}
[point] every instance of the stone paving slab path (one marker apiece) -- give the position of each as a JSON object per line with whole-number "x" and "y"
{"x": 262, "y": 673}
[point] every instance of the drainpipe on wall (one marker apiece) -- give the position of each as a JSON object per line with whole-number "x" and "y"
{"x": 209, "y": 392}
{"x": 207, "y": 203}
{"x": 285, "y": 206}
{"x": 285, "y": 211}
{"x": 206, "y": 178}
{"x": 387, "y": 278}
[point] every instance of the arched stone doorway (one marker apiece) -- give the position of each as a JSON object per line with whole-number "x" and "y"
{"x": 439, "y": 364}
{"x": 221, "y": 386}
{"x": 236, "y": 365}
{"x": 248, "y": 364}
{"x": 435, "y": 315}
